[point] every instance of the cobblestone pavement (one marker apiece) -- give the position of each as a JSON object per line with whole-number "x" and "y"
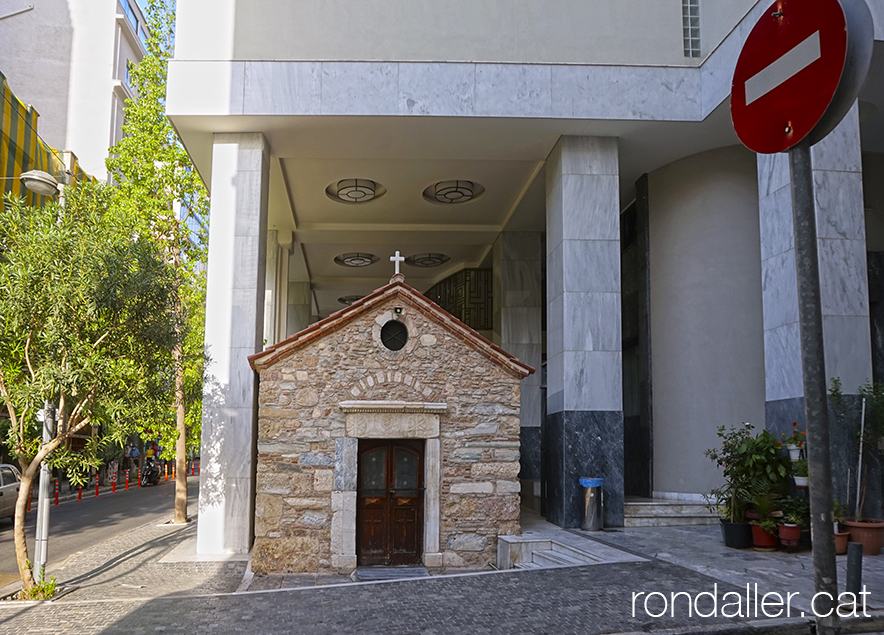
{"x": 134, "y": 584}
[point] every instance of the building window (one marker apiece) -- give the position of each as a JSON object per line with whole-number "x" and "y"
{"x": 690, "y": 21}
{"x": 129, "y": 66}
{"x": 130, "y": 14}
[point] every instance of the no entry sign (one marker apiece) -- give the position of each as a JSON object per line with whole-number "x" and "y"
{"x": 788, "y": 73}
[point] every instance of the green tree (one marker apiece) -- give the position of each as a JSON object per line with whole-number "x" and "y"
{"x": 156, "y": 181}
{"x": 84, "y": 309}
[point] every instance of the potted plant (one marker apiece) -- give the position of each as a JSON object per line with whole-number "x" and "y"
{"x": 764, "y": 497}
{"x": 796, "y": 513}
{"x": 731, "y": 499}
{"x": 799, "y": 472}
{"x": 841, "y": 537}
{"x": 795, "y": 442}
{"x": 867, "y": 531}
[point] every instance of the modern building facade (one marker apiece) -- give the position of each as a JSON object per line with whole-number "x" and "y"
{"x": 564, "y": 177}
{"x": 70, "y": 60}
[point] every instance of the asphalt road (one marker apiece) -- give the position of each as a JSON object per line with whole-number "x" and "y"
{"x": 76, "y": 525}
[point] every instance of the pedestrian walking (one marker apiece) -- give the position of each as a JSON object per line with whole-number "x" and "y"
{"x": 133, "y": 454}
{"x": 127, "y": 457}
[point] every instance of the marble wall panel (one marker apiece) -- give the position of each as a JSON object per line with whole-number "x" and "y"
{"x": 432, "y": 494}
{"x": 555, "y": 232}
{"x": 555, "y": 274}
{"x": 226, "y": 529}
{"x": 593, "y": 380}
{"x": 775, "y": 217}
{"x": 521, "y": 246}
{"x": 838, "y": 198}
{"x": 513, "y": 90}
{"x": 843, "y": 277}
{"x": 555, "y": 326}
{"x": 779, "y": 284}
{"x": 847, "y": 350}
{"x": 840, "y": 149}
{"x": 590, "y": 207}
{"x": 346, "y": 458}
{"x": 782, "y": 363}
{"x": 610, "y": 92}
{"x": 592, "y": 322}
{"x": 521, "y": 325}
{"x": 587, "y": 155}
{"x": 591, "y": 265}
{"x": 282, "y": 88}
{"x": 773, "y": 173}
{"x": 520, "y": 282}
{"x": 437, "y": 89}
{"x": 529, "y": 452}
{"x": 360, "y": 88}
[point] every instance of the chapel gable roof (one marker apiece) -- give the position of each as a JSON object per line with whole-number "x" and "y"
{"x": 408, "y": 295}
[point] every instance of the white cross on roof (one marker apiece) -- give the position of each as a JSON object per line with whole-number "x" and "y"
{"x": 397, "y": 259}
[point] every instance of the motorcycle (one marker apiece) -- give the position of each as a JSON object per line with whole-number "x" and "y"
{"x": 150, "y": 472}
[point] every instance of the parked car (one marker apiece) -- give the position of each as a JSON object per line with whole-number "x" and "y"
{"x": 10, "y": 480}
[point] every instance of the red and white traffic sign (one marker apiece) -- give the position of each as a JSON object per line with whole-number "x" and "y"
{"x": 788, "y": 73}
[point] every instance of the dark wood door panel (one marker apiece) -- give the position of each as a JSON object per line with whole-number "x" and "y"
{"x": 390, "y": 502}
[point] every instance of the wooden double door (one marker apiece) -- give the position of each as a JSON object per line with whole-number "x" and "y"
{"x": 389, "y": 509}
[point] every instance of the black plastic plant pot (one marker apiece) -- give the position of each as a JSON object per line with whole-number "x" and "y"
{"x": 736, "y": 535}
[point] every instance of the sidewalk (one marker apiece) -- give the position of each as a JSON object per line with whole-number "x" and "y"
{"x": 150, "y": 580}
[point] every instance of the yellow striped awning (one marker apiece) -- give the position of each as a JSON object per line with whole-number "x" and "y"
{"x": 22, "y": 150}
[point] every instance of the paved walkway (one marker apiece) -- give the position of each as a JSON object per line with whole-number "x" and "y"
{"x": 149, "y": 580}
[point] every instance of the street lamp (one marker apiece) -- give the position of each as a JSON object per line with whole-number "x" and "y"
{"x": 40, "y": 182}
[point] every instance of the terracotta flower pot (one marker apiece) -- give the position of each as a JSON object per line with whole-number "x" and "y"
{"x": 841, "y": 540}
{"x": 763, "y": 540}
{"x": 789, "y": 535}
{"x": 869, "y": 532}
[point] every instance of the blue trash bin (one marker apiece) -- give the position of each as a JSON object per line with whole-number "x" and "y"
{"x": 593, "y": 509}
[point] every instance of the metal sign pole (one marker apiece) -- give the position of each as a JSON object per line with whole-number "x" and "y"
{"x": 41, "y": 543}
{"x": 814, "y": 372}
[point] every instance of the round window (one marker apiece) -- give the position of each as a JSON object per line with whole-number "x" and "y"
{"x": 394, "y": 335}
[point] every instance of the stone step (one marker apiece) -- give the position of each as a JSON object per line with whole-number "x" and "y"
{"x": 527, "y": 565}
{"x": 666, "y": 513}
{"x": 550, "y": 558}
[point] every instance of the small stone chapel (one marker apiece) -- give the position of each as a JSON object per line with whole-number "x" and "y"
{"x": 388, "y": 434}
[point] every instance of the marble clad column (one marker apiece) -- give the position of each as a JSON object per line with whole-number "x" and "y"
{"x": 298, "y": 314}
{"x": 583, "y": 435}
{"x": 271, "y": 295}
{"x": 518, "y": 307}
{"x": 838, "y": 196}
{"x": 234, "y": 330}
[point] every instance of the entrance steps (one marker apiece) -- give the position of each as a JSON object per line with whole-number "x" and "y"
{"x": 516, "y": 552}
{"x": 656, "y": 512}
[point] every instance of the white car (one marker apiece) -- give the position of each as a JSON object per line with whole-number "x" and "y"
{"x": 10, "y": 480}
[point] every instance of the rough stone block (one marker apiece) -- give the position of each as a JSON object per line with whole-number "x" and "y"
{"x": 323, "y": 480}
{"x": 316, "y": 458}
{"x": 297, "y": 554}
{"x": 307, "y": 503}
{"x": 503, "y": 470}
{"x": 501, "y": 507}
{"x": 472, "y": 487}
{"x": 507, "y": 487}
{"x": 343, "y": 563}
{"x": 433, "y": 560}
{"x": 464, "y": 455}
{"x": 451, "y": 559}
{"x": 273, "y": 484}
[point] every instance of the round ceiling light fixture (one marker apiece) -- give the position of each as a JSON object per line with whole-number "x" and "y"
{"x": 356, "y": 259}
{"x": 453, "y": 192}
{"x": 427, "y": 260}
{"x": 349, "y": 299}
{"x": 355, "y": 191}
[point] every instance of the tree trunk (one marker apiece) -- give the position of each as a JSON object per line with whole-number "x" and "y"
{"x": 181, "y": 425}
{"x": 181, "y": 443}
{"x": 18, "y": 533}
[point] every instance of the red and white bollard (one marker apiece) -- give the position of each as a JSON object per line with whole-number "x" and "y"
{"x": 96, "y": 486}
{"x": 166, "y": 471}
{"x": 114, "y": 484}
{"x": 80, "y": 493}
{"x": 56, "y": 492}
{"x": 139, "y": 477}
{"x": 127, "y": 479}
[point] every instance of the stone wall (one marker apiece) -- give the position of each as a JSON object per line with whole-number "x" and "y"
{"x": 306, "y": 482}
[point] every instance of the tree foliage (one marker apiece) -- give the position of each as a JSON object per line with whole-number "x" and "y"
{"x": 84, "y": 324}
{"x": 156, "y": 182}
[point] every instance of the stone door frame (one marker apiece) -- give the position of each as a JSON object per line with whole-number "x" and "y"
{"x": 385, "y": 420}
